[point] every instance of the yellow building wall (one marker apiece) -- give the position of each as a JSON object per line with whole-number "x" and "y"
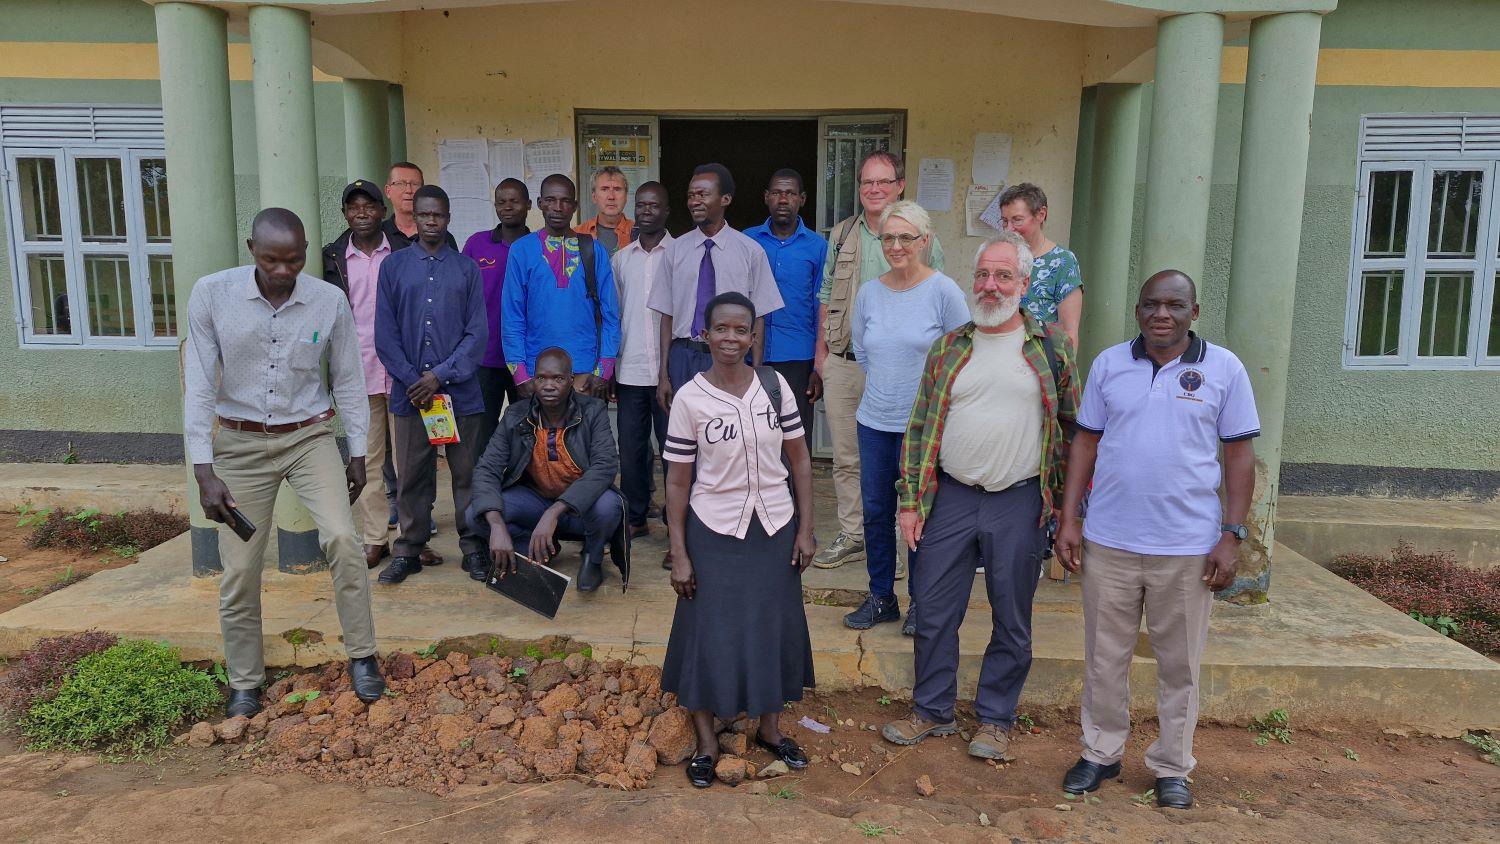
{"x": 511, "y": 71}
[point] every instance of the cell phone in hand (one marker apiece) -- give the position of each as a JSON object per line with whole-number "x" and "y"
{"x": 242, "y": 527}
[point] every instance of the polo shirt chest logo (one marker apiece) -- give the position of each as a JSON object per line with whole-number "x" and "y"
{"x": 1190, "y": 380}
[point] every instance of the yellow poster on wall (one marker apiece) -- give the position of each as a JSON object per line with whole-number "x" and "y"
{"x": 621, "y": 152}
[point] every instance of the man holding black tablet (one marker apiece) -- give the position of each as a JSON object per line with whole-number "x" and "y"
{"x": 258, "y": 337}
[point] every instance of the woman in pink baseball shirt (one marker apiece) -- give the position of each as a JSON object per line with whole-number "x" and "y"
{"x": 740, "y": 543}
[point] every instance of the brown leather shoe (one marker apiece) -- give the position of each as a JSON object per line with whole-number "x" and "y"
{"x": 991, "y": 742}
{"x": 375, "y": 553}
{"x": 913, "y": 728}
{"x": 429, "y": 557}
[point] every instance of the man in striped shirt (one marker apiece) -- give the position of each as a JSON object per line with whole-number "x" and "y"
{"x": 983, "y": 464}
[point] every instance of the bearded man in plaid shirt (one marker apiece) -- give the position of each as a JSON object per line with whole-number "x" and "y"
{"x": 983, "y": 467}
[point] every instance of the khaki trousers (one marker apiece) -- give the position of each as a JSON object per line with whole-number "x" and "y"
{"x": 843, "y": 386}
{"x": 1117, "y": 586}
{"x": 253, "y": 467}
{"x": 371, "y": 510}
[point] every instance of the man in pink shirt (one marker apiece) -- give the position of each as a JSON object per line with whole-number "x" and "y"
{"x": 352, "y": 263}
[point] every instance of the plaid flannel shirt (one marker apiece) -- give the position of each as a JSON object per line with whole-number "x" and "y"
{"x": 924, "y": 432}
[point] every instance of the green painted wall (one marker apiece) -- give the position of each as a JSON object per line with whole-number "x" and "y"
{"x": 76, "y": 389}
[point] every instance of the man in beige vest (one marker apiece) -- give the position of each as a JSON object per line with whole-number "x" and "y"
{"x": 855, "y": 258}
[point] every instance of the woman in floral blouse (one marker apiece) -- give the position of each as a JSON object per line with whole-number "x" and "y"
{"x": 1056, "y": 291}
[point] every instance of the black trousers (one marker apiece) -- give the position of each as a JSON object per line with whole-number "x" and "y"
{"x": 638, "y": 415}
{"x": 416, "y": 473}
{"x": 797, "y": 373}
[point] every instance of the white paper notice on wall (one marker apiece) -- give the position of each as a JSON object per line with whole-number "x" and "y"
{"x": 507, "y": 160}
{"x": 467, "y": 215}
{"x": 935, "y": 179}
{"x": 991, "y": 162}
{"x": 543, "y": 158}
{"x": 979, "y": 198}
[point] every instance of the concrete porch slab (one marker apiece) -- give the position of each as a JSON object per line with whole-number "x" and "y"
{"x": 1322, "y": 527}
{"x": 1322, "y": 649}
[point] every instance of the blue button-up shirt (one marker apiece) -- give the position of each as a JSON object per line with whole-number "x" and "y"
{"x": 797, "y": 264}
{"x": 430, "y": 317}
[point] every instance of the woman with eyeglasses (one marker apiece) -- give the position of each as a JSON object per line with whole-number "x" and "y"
{"x": 895, "y": 323}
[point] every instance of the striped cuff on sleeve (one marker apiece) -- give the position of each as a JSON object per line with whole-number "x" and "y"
{"x": 679, "y": 450}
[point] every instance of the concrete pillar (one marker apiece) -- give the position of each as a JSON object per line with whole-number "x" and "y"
{"x": 286, "y": 143}
{"x": 1083, "y": 172}
{"x": 367, "y": 129}
{"x": 397, "y": 116}
{"x": 1179, "y": 167}
{"x": 193, "y": 50}
{"x": 1279, "y": 84}
{"x": 1109, "y": 297}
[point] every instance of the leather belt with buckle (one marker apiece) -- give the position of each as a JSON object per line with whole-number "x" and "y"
{"x": 286, "y": 428}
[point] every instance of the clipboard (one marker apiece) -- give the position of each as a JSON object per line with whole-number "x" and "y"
{"x": 534, "y": 586}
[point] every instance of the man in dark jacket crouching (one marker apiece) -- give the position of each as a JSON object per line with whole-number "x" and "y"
{"x": 548, "y": 472}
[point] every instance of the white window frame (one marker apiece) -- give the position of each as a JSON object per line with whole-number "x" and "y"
{"x": 66, "y": 152}
{"x": 1450, "y": 149}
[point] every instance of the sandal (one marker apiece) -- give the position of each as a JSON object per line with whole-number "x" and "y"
{"x": 700, "y": 771}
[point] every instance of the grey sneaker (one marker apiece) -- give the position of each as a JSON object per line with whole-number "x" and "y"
{"x": 843, "y": 549}
{"x": 900, "y": 567}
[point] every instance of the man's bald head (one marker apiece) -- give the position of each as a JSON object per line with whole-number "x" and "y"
{"x": 1172, "y": 278}
{"x": 277, "y": 223}
{"x": 556, "y": 355}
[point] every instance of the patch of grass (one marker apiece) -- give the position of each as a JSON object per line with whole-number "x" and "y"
{"x": 1025, "y": 721}
{"x": 1272, "y": 725}
{"x": 1350, "y": 754}
{"x": 1145, "y": 798}
{"x": 39, "y": 671}
{"x": 304, "y": 696}
{"x": 63, "y": 579}
{"x": 29, "y": 516}
{"x": 123, "y": 700}
{"x": 870, "y": 829}
{"x": 517, "y": 672}
{"x": 1247, "y": 795}
{"x": 1486, "y": 744}
{"x": 785, "y": 792}
{"x": 90, "y": 530}
{"x": 125, "y": 551}
{"x": 428, "y": 652}
{"x": 884, "y": 700}
{"x": 535, "y": 653}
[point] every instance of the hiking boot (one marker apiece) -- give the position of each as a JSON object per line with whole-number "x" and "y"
{"x": 843, "y": 549}
{"x": 909, "y": 627}
{"x": 913, "y": 728}
{"x": 872, "y": 612}
{"x": 991, "y": 742}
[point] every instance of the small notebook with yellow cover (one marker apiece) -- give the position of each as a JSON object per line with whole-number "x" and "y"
{"x": 438, "y": 419}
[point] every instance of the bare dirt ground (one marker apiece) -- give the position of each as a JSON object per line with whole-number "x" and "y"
{"x": 1400, "y": 789}
{"x": 29, "y": 572}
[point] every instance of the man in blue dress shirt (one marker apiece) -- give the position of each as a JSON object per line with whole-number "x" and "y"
{"x": 796, "y": 254}
{"x": 430, "y": 333}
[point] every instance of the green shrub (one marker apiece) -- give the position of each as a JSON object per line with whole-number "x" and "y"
{"x": 125, "y": 699}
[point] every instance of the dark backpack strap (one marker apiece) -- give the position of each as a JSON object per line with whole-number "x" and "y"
{"x": 772, "y": 385}
{"x": 1053, "y": 360}
{"x": 591, "y": 287}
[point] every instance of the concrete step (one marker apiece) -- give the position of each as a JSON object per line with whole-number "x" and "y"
{"x": 1322, "y": 527}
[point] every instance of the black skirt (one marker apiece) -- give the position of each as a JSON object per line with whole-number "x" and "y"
{"x": 741, "y": 643}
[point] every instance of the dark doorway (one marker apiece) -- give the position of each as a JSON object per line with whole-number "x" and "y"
{"x": 751, "y": 149}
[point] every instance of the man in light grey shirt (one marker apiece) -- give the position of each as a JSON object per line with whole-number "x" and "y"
{"x": 257, "y": 340}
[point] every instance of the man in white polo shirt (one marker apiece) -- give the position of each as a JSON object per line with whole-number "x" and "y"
{"x": 1155, "y": 412}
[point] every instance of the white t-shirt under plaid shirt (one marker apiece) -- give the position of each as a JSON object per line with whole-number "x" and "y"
{"x": 736, "y": 443}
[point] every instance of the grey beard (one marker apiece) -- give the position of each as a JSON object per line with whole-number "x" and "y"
{"x": 992, "y": 316}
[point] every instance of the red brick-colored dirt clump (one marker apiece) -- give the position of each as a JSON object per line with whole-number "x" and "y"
{"x": 482, "y": 720}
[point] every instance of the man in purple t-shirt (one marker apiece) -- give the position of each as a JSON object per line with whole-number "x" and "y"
{"x": 490, "y": 249}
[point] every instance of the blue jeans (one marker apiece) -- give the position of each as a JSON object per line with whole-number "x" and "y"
{"x": 879, "y": 469}
{"x": 524, "y": 507}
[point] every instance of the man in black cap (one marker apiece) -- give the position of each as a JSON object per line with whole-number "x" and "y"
{"x": 352, "y": 263}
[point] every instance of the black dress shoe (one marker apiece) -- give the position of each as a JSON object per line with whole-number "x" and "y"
{"x": 399, "y": 569}
{"x": 787, "y": 751}
{"x": 244, "y": 702}
{"x": 1173, "y": 793}
{"x": 700, "y": 771}
{"x": 1086, "y": 776}
{"x": 364, "y": 676}
{"x": 590, "y": 575}
{"x": 909, "y": 626}
{"x": 477, "y": 564}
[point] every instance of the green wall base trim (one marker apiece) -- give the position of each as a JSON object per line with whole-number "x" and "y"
{"x": 298, "y": 552}
{"x": 30, "y": 446}
{"x": 1389, "y": 481}
{"x": 206, "y": 561}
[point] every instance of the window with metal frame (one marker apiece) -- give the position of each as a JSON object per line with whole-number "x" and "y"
{"x": 86, "y": 202}
{"x": 1423, "y": 283}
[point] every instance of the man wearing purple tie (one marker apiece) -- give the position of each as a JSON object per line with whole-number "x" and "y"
{"x": 711, "y": 259}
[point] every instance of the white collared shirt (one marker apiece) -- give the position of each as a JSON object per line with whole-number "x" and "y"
{"x": 740, "y": 265}
{"x": 249, "y": 361}
{"x": 637, "y": 272}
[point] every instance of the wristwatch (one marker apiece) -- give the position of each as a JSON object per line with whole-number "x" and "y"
{"x": 1240, "y": 531}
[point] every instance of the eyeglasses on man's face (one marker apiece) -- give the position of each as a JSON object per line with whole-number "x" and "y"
{"x": 404, "y": 184}
{"x": 1004, "y": 276}
{"x": 876, "y": 183}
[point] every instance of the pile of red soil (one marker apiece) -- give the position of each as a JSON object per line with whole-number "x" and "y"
{"x": 489, "y": 719}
